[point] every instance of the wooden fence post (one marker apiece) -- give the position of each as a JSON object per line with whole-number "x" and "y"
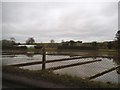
{"x": 43, "y": 58}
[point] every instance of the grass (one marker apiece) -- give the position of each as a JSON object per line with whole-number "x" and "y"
{"x": 58, "y": 78}
{"x": 107, "y": 51}
{"x": 102, "y": 52}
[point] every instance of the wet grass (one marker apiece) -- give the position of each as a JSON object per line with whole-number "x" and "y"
{"x": 65, "y": 79}
{"x": 107, "y": 51}
{"x": 54, "y": 51}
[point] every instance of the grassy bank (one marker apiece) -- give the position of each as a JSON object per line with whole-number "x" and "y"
{"x": 108, "y": 51}
{"x": 103, "y": 52}
{"x": 57, "y": 78}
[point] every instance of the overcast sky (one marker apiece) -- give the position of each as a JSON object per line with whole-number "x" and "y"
{"x": 59, "y": 21}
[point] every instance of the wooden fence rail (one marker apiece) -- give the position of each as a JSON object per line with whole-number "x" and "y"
{"x": 75, "y": 64}
{"x": 43, "y": 62}
{"x": 55, "y": 60}
{"x": 102, "y": 73}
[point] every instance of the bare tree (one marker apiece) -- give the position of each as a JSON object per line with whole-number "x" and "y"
{"x": 62, "y": 41}
{"x": 118, "y": 35}
{"x": 52, "y": 41}
{"x": 12, "y": 39}
{"x": 118, "y": 40}
{"x": 30, "y": 40}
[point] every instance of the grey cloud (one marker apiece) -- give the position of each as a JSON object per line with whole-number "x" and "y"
{"x": 45, "y": 21}
{"x": 119, "y": 15}
{"x": 0, "y": 21}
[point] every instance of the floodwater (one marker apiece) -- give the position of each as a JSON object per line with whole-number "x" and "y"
{"x": 84, "y": 71}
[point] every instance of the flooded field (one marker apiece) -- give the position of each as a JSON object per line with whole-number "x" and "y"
{"x": 84, "y": 71}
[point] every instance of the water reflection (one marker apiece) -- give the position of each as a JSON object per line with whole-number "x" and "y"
{"x": 81, "y": 71}
{"x": 117, "y": 62}
{"x": 30, "y": 55}
{"x": 11, "y": 56}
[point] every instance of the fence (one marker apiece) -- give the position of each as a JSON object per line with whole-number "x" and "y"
{"x": 44, "y": 62}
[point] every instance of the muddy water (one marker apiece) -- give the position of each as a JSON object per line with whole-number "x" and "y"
{"x": 83, "y": 71}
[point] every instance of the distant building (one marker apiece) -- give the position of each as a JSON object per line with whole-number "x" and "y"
{"x": 28, "y": 46}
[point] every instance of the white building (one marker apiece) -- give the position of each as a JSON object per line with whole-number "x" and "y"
{"x": 28, "y": 46}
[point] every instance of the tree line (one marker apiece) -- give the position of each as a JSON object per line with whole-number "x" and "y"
{"x": 11, "y": 44}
